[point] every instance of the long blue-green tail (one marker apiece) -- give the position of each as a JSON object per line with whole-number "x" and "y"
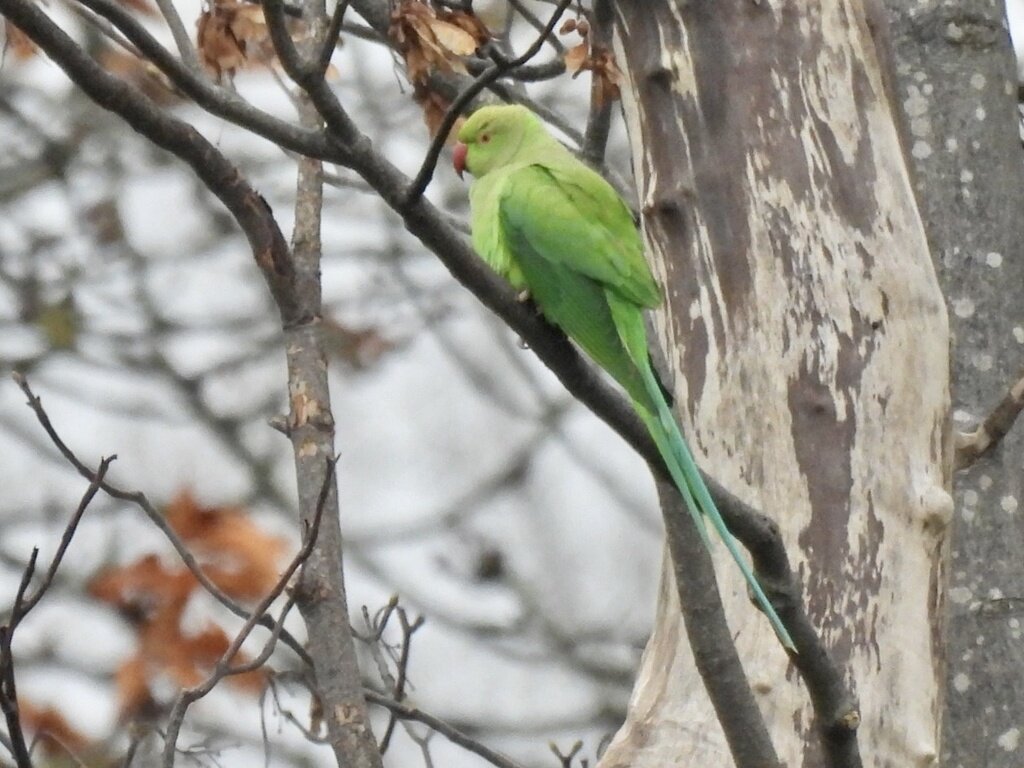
{"x": 684, "y": 472}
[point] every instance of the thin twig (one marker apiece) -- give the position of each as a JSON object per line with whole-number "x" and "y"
{"x": 450, "y": 732}
{"x": 104, "y": 26}
{"x": 180, "y": 35}
{"x": 534, "y": 21}
{"x": 492, "y": 73}
{"x": 65, "y": 541}
{"x": 401, "y": 671}
{"x": 971, "y": 446}
{"x": 331, "y": 36}
{"x": 566, "y": 759}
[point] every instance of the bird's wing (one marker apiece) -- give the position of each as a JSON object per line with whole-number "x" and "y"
{"x": 571, "y": 216}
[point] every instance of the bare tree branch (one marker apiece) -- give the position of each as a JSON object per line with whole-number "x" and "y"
{"x": 714, "y": 652}
{"x": 180, "y": 35}
{"x": 331, "y": 35}
{"x": 599, "y": 119}
{"x": 323, "y": 599}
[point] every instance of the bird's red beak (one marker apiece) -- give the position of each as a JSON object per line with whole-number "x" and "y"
{"x": 459, "y": 158}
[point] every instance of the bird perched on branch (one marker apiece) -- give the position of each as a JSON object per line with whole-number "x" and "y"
{"x": 554, "y": 228}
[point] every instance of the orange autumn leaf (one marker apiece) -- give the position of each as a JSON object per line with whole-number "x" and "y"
{"x": 248, "y": 23}
{"x": 221, "y": 52}
{"x": 187, "y": 660}
{"x": 235, "y": 553}
{"x": 140, "y": 73}
{"x": 18, "y": 43}
{"x": 145, "y": 589}
{"x": 468, "y": 22}
{"x": 134, "y": 697}
{"x": 206, "y": 649}
{"x": 54, "y": 733}
{"x": 601, "y": 62}
{"x": 576, "y": 57}
{"x": 435, "y": 106}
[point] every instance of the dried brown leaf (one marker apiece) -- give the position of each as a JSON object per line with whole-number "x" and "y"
{"x": 576, "y": 57}
{"x": 601, "y": 62}
{"x": 18, "y": 43}
{"x": 145, "y": 589}
{"x": 360, "y": 348}
{"x": 469, "y": 22}
{"x": 248, "y": 24}
{"x": 55, "y": 734}
{"x": 239, "y": 557}
{"x": 134, "y": 697}
{"x": 140, "y": 73}
{"x": 435, "y": 106}
{"x": 221, "y": 52}
{"x": 433, "y": 42}
{"x": 453, "y": 38}
{"x": 237, "y": 554}
{"x": 232, "y": 35}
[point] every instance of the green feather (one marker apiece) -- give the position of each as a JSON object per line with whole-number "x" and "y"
{"x": 551, "y": 225}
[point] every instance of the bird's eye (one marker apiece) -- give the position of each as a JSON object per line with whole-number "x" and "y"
{"x": 484, "y": 138}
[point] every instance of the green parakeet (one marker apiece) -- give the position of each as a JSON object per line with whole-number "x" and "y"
{"x": 554, "y": 228}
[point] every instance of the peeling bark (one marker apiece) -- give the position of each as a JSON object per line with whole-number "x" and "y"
{"x": 809, "y": 337}
{"x": 957, "y": 87}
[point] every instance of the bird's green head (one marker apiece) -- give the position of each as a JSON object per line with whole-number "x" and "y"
{"x": 492, "y": 136}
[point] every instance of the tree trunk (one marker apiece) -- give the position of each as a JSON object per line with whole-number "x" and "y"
{"x": 808, "y": 337}
{"x": 957, "y": 84}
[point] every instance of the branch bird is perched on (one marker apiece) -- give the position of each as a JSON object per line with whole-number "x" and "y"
{"x": 553, "y": 227}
